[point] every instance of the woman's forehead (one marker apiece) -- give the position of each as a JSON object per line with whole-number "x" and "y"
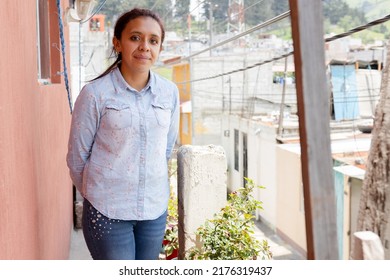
{"x": 144, "y": 25}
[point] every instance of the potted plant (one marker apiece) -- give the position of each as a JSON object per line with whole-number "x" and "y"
{"x": 171, "y": 242}
{"x": 229, "y": 235}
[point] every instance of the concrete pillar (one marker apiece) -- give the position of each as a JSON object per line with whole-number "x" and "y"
{"x": 367, "y": 246}
{"x": 202, "y": 189}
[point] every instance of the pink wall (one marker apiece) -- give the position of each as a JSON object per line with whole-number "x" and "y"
{"x": 35, "y": 189}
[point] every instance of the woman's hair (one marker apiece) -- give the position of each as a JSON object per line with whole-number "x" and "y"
{"x": 120, "y": 25}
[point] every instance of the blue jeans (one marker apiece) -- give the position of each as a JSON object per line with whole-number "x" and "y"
{"x": 112, "y": 239}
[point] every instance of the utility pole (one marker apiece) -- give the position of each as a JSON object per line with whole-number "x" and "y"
{"x": 211, "y": 26}
{"x": 281, "y": 113}
{"x": 236, "y": 16}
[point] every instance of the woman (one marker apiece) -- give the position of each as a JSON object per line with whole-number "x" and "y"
{"x": 124, "y": 127}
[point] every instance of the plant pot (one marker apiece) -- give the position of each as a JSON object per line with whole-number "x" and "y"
{"x": 174, "y": 253}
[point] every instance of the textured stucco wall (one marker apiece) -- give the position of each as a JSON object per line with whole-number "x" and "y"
{"x": 202, "y": 189}
{"x": 35, "y": 189}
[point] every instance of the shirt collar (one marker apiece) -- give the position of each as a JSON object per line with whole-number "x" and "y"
{"x": 120, "y": 82}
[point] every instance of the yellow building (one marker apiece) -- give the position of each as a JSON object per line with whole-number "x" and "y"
{"x": 180, "y": 74}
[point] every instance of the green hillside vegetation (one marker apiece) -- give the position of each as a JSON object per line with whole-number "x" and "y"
{"x": 339, "y": 16}
{"x": 374, "y": 9}
{"x": 343, "y": 15}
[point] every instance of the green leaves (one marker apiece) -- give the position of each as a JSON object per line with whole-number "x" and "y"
{"x": 172, "y": 228}
{"x": 229, "y": 235}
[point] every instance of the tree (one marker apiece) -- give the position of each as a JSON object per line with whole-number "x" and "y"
{"x": 114, "y": 8}
{"x": 258, "y": 12}
{"x": 375, "y": 197}
{"x": 182, "y": 8}
{"x": 347, "y": 22}
{"x": 181, "y": 11}
{"x": 335, "y": 10}
{"x": 220, "y": 8}
{"x": 280, "y": 6}
{"x": 163, "y": 8}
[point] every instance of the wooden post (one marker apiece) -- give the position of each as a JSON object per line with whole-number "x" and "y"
{"x": 313, "y": 104}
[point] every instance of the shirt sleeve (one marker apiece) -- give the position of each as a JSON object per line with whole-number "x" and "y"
{"x": 174, "y": 126}
{"x": 85, "y": 121}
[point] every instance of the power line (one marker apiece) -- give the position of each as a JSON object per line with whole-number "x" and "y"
{"x": 246, "y": 32}
{"x": 259, "y": 26}
{"x": 345, "y": 34}
{"x": 219, "y": 93}
{"x": 359, "y": 28}
{"x": 95, "y": 12}
{"x": 197, "y": 6}
{"x": 240, "y": 12}
{"x": 239, "y": 70}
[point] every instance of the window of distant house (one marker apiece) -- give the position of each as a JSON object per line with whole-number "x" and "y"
{"x": 48, "y": 53}
{"x": 244, "y": 157}
{"x": 236, "y": 150}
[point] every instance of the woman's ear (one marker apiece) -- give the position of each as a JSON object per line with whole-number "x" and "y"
{"x": 117, "y": 44}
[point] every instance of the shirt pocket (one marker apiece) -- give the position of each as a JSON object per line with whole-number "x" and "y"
{"x": 117, "y": 117}
{"x": 162, "y": 112}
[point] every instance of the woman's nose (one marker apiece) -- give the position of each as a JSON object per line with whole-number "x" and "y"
{"x": 144, "y": 46}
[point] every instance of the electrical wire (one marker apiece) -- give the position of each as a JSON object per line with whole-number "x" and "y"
{"x": 193, "y": 9}
{"x": 257, "y": 27}
{"x": 95, "y": 12}
{"x": 341, "y": 35}
{"x": 62, "y": 39}
{"x": 359, "y": 28}
{"x": 240, "y": 12}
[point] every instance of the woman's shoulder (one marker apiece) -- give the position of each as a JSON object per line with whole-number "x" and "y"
{"x": 165, "y": 86}
{"x": 100, "y": 86}
{"x": 162, "y": 81}
{"x": 104, "y": 82}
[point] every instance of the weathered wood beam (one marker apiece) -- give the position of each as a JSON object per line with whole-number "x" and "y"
{"x": 314, "y": 130}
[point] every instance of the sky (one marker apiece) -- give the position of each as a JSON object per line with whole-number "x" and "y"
{"x": 196, "y": 8}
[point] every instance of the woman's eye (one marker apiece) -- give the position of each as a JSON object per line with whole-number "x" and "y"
{"x": 154, "y": 41}
{"x": 134, "y": 38}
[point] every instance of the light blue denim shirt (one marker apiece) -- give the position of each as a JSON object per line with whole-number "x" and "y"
{"x": 120, "y": 143}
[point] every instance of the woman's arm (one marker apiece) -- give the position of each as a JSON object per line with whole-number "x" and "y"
{"x": 85, "y": 121}
{"x": 174, "y": 126}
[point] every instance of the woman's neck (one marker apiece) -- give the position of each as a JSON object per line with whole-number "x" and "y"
{"x": 136, "y": 80}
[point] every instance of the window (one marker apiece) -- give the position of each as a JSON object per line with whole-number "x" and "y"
{"x": 236, "y": 150}
{"x": 48, "y": 47}
{"x": 245, "y": 157}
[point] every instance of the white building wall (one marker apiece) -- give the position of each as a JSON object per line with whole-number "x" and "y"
{"x": 230, "y": 93}
{"x": 368, "y": 86}
{"x": 261, "y": 161}
{"x": 266, "y": 172}
{"x": 89, "y": 55}
{"x": 290, "y": 222}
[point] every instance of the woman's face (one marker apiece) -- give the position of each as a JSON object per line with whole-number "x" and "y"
{"x": 140, "y": 44}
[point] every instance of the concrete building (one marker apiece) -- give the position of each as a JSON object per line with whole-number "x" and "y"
{"x": 89, "y": 51}
{"x": 263, "y": 148}
{"x": 254, "y": 150}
